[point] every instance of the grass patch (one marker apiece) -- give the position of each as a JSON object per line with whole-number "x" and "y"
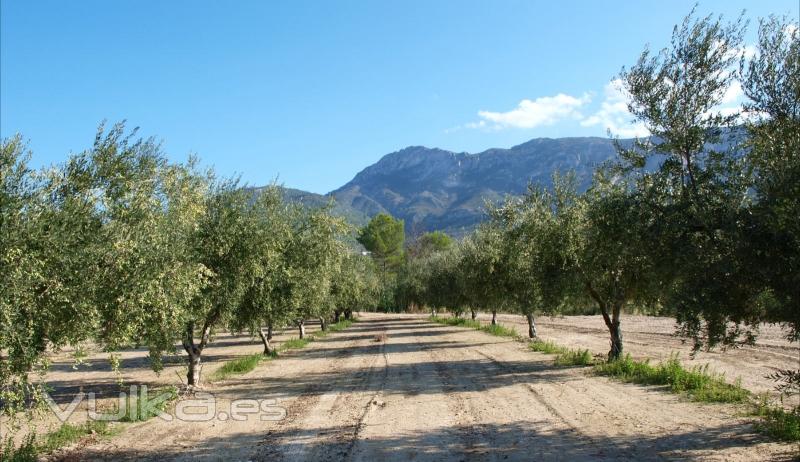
{"x": 459, "y": 322}
{"x": 26, "y": 452}
{"x": 68, "y": 433}
{"x": 547, "y": 347}
{"x": 238, "y": 366}
{"x": 157, "y": 401}
{"x": 499, "y": 331}
{"x": 492, "y": 329}
{"x": 566, "y": 357}
{"x": 32, "y": 447}
{"x": 777, "y": 422}
{"x": 341, "y": 325}
{"x": 698, "y": 383}
{"x": 335, "y": 327}
{"x": 574, "y": 358}
{"x": 294, "y": 344}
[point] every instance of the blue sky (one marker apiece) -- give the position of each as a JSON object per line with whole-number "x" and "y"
{"x": 313, "y": 92}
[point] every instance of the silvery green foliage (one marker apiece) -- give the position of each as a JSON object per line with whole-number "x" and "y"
{"x": 94, "y": 249}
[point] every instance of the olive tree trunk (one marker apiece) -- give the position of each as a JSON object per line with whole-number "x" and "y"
{"x": 611, "y": 311}
{"x": 193, "y": 375}
{"x": 494, "y": 317}
{"x": 195, "y": 350}
{"x": 615, "y": 332}
{"x": 336, "y": 316}
{"x": 301, "y": 324}
{"x": 474, "y": 314}
{"x": 265, "y": 338}
{"x": 323, "y": 324}
{"x": 531, "y": 325}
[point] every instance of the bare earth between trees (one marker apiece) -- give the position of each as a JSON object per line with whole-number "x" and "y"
{"x": 433, "y": 392}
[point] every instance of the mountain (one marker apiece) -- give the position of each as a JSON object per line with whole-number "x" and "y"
{"x": 435, "y": 189}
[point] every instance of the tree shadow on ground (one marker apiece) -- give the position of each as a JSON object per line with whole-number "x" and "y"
{"x": 510, "y": 442}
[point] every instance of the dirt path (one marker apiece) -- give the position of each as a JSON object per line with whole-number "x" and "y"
{"x": 433, "y": 392}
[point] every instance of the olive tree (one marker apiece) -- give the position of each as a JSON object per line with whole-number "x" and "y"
{"x": 261, "y": 308}
{"x": 697, "y": 192}
{"x": 43, "y": 249}
{"x": 609, "y": 248}
{"x": 97, "y": 249}
{"x": 311, "y": 257}
{"x": 222, "y": 244}
{"x": 445, "y": 282}
{"x": 538, "y": 278}
{"x": 771, "y": 82}
{"x": 410, "y": 286}
{"x": 484, "y": 269}
{"x": 354, "y": 286}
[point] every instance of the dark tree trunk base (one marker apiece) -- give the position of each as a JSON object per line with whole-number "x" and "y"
{"x": 531, "y": 326}
{"x": 265, "y": 340}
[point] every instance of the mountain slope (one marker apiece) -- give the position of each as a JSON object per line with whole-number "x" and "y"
{"x": 437, "y": 189}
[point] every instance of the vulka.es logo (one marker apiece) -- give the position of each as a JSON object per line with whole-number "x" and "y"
{"x": 138, "y": 404}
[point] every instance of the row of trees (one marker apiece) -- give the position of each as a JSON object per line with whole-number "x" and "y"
{"x": 121, "y": 247}
{"x": 698, "y": 221}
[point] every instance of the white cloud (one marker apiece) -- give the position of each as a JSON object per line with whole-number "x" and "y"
{"x": 613, "y": 114}
{"x": 732, "y": 94}
{"x": 790, "y": 31}
{"x": 545, "y": 110}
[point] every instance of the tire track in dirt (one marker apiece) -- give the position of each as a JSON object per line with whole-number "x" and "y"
{"x": 369, "y": 406}
{"x": 545, "y": 421}
{"x": 541, "y": 399}
{"x": 324, "y": 422}
{"x": 414, "y": 388}
{"x": 465, "y": 417}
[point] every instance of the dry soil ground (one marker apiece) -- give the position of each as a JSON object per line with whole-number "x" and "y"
{"x": 434, "y": 392}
